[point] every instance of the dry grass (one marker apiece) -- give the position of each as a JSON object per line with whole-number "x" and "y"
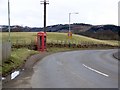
{"x": 55, "y": 37}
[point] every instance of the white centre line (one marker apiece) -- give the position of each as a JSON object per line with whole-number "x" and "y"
{"x": 96, "y": 70}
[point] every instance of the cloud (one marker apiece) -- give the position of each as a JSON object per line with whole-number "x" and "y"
{"x": 30, "y": 13}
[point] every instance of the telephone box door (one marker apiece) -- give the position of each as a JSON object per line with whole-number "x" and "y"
{"x": 41, "y": 41}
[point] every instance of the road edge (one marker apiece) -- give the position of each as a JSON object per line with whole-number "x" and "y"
{"x": 116, "y": 56}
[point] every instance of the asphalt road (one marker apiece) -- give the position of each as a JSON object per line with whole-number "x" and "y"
{"x": 77, "y": 69}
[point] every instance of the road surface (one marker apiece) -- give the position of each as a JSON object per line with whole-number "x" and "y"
{"x": 77, "y": 69}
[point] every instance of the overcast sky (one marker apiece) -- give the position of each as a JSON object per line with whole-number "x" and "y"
{"x": 30, "y": 12}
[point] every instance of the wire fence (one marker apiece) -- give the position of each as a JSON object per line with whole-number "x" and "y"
{"x": 60, "y": 44}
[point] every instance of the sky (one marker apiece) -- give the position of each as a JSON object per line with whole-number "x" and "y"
{"x": 30, "y": 12}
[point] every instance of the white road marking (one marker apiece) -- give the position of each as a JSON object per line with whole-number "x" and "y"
{"x": 96, "y": 70}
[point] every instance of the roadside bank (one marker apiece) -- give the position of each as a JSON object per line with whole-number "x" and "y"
{"x": 25, "y": 72}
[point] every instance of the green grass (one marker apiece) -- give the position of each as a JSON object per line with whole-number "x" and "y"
{"x": 17, "y": 58}
{"x": 55, "y": 49}
{"x": 64, "y": 49}
{"x": 27, "y": 37}
{"x": 78, "y": 39}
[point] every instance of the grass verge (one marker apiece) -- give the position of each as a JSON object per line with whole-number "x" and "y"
{"x": 57, "y": 49}
{"x": 17, "y": 58}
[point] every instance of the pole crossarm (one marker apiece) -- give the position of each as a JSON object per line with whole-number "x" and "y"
{"x": 44, "y": 2}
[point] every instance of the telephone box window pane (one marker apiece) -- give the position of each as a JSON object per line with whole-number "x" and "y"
{"x": 40, "y": 41}
{"x": 45, "y": 41}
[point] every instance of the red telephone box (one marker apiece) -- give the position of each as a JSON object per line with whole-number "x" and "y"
{"x": 41, "y": 41}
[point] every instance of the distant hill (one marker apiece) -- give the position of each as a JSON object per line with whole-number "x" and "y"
{"x": 109, "y": 32}
{"x": 17, "y": 28}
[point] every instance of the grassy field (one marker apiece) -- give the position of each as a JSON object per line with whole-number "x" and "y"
{"x": 28, "y": 37}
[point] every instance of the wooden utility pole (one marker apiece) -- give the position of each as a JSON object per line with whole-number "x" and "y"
{"x": 45, "y": 3}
